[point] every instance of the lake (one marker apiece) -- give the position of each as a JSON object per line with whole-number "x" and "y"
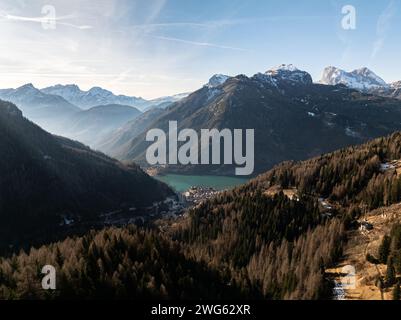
{"x": 181, "y": 183}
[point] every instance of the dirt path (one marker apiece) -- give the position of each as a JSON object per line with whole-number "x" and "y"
{"x": 359, "y": 245}
{"x": 379, "y": 274}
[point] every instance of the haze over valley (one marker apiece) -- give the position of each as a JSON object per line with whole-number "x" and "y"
{"x": 294, "y": 117}
{"x": 181, "y": 153}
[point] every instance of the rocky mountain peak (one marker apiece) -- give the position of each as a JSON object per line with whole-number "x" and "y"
{"x": 290, "y": 74}
{"x": 362, "y": 79}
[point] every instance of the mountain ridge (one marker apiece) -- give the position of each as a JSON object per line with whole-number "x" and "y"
{"x": 45, "y": 177}
{"x": 362, "y": 79}
{"x": 92, "y": 125}
{"x": 293, "y": 117}
{"x": 92, "y": 97}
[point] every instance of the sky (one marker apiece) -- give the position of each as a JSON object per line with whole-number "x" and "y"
{"x": 153, "y": 48}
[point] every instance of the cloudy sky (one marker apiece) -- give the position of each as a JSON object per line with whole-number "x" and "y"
{"x": 152, "y": 48}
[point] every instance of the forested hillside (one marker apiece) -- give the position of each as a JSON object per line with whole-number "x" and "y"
{"x": 272, "y": 238}
{"x": 44, "y": 178}
{"x": 364, "y": 175}
{"x": 283, "y": 245}
{"x": 113, "y": 263}
{"x": 271, "y": 245}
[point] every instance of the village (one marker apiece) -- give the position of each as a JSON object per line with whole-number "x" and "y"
{"x": 172, "y": 207}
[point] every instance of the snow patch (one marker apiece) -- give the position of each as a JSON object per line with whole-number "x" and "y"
{"x": 349, "y": 132}
{"x": 217, "y": 80}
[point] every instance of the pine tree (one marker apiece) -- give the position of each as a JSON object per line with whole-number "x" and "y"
{"x": 397, "y": 292}
{"x": 384, "y": 249}
{"x": 390, "y": 274}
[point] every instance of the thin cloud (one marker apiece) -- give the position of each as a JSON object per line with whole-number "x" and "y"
{"x": 201, "y": 44}
{"x": 218, "y": 23}
{"x": 156, "y": 10}
{"x": 382, "y": 27}
{"x": 44, "y": 19}
{"x": 80, "y": 27}
{"x": 185, "y": 24}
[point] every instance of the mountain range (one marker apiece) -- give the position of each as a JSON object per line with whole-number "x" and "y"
{"x": 82, "y": 115}
{"x": 293, "y": 117}
{"x": 47, "y": 110}
{"x": 93, "y": 97}
{"x": 275, "y": 237}
{"x": 98, "y": 96}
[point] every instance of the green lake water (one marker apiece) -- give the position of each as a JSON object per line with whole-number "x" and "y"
{"x": 181, "y": 183}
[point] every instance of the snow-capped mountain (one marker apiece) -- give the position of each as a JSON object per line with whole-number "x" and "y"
{"x": 285, "y": 108}
{"x": 99, "y": 96}
{"x": 360, "y": 79}
{"x": 289, "y": 73}
{"x": 363, "y": 80}
{"x": 21, "y": 94}
{"x": 217, "y": 80}
{"x": 36, "y": 103}
{"x": 93, "y": 97}
{"x": 46, "y": 110}
{"x": 69, "y": 92}
{"x": 283, "y": 75}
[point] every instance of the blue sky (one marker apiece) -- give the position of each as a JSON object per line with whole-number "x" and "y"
{"x": 152, "y": 48}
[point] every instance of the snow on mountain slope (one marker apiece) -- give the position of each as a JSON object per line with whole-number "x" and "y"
{"x": 99, "y": 96}
{"x": 46, "y": 110}
{"x": 290, "y": 74}
{"x": 35, "y": 103}
{"x": 293, "y": 118}
{"x": 217, "y": 80}
{"x": 93, "y": 97}
{"x": 361, "y": 79}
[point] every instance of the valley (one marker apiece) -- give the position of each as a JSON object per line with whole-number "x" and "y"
{"x": 324, "y": 196}
{"x": 201, "y": 159}
{"x": 45, "y": 178}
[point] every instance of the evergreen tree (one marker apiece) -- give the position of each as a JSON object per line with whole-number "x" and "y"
{"x": 384, "y": 249}
{"x": 397, "y": 292}
{"x": 390, "y": 274}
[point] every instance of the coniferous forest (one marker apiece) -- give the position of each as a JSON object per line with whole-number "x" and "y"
{"x": 242, "y": 243}
{"x": 113, "y": 263}
{"x": 199, "y": 159}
